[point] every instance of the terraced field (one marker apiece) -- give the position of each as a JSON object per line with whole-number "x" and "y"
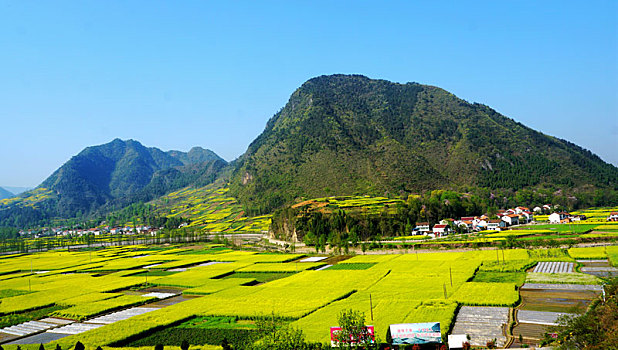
{"x": 211, "y": 210}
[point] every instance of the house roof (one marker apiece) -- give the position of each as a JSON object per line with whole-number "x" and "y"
{"x": 440, "y": 226}
{"x": 422, "y": 223}
{"x": 513, "y": 215}
{"x": 494, "y": 221}
{"x": 614, "y": 213}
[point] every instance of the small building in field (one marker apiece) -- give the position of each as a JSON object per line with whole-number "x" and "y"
{"x": 556, "y": 218}
{"x": 613, "y": 216}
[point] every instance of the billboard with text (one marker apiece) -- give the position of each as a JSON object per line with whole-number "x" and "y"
{"x": 416, "y": 333}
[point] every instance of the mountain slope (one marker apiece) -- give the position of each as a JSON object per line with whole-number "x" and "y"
{"x": 348, "y": 134}
{"x": 5, "y": 193}
{"x": 110, "y": 176}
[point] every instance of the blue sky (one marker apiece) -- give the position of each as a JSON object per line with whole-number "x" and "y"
{"x": 176, "y": 74}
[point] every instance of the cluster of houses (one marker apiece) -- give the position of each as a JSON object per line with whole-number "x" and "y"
{"x": 126, "y": 230}
{"x": 564, "y": 218}
{"x": 504, "y": 219}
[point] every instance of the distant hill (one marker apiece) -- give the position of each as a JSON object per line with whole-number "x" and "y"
{"x": 110, "y": 176}
{"x": 348, "y": 134}
{"x": 16, "y": 190}
{"x": 5, "y": 193}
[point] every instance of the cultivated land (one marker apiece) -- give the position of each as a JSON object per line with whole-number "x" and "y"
{"x": 224, "y": 290}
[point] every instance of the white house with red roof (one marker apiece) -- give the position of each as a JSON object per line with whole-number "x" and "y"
{"x": 441, "y": 230}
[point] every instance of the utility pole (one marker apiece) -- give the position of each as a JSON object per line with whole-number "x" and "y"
{"x": 371, "y": 307}
{"x": 450, "y": 272}
{"x": 444, "y": 286}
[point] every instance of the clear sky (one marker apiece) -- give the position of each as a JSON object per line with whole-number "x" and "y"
{"x": 177, "y": 74}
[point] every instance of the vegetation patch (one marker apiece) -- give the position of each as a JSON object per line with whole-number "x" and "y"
{"x": 352, "y": 266}
{"x": 506, "y": 266}
{"x": 561, "y": 278}
{"x": 588, "y": 253}
{"x": 13, "y": 319}
{"x": 84, "y": 311}
{"x": 260, "y": 277}
{"x": 500, "y": 277}
{"x": 197, "y": 336}
{"x": 6, "y": 293}
{"x": 555, "y": 254}
{"x": 487, "y": 294}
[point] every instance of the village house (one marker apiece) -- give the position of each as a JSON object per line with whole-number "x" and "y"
{"x": 422, "y": 228}
{"x": 520, "y": 210}
{"x": 511, "y": 219}
{"x": 525, "y": 217}
{"x": 467, "y": 224}
{"x": 496, "y": 225}
{"x": 441, "y": 230}
{"x": 480, "y": 224}
{"x": 557, "y": 218}
{"x": 613, "y": 216}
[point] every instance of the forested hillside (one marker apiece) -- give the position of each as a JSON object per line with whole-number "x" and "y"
{"x": 348, "y": 134}
{"x": 109, "y": 177}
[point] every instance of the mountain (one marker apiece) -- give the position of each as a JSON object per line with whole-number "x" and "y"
{"x": 348, "y": 134}
{"x": 110, "y": 176}
{"x": 5, "y": 193}
{"x": 196, "y": 155}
